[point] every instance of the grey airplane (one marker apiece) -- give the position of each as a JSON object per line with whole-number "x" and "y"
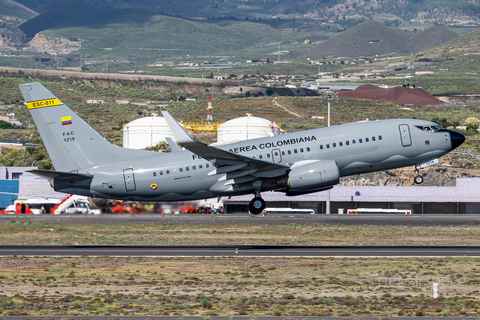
{"x": 294, "y": 163}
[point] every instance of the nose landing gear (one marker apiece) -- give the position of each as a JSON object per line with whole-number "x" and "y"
{"x": 257, "y": 204}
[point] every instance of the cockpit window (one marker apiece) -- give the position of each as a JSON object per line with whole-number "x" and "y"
{"x": 432, "y": 128}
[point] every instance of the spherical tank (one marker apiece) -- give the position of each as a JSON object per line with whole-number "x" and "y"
{"x": 145, "y": 132}
{"x": 244, "y": 128}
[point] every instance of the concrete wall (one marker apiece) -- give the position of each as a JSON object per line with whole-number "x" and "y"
{"x": 320, "y": 207}
{"x": 118, "y": 76}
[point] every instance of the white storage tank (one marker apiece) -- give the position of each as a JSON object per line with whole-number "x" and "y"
{"x": 146, "y": 132}
{"x": 244, "y": 128}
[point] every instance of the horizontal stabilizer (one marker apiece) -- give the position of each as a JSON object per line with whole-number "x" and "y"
{"x": 62, "y": 176}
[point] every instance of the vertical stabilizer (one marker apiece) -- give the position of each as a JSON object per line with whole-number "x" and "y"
{"x": 71, "y": 142}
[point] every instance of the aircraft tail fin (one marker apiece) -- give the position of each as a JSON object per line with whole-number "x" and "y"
{"x": 71, "y": 142}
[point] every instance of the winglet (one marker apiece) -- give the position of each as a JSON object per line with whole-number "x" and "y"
{"x": 172, "y": 144}
{"x": 179, "y": 132}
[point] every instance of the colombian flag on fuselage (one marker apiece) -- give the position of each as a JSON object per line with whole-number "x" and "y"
{"x": 66, "y": 120}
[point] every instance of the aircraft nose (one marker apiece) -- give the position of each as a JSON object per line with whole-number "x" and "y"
{"x": 457, "y": 139}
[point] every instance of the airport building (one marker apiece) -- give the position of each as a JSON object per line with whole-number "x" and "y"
{"x": 459, "y": 196}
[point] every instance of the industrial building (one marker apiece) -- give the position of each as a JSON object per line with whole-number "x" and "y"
{"x": 146, "y": 132}
{"x": 244, "y": 128}
{"x": 18, "y": 183}
{"x": 459, "y": 196}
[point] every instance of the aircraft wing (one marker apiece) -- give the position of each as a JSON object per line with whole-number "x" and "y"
{"x": 222, "y": 158}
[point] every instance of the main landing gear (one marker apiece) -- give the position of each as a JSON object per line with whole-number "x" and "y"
{"x": 418, "y": 178}
{"x": 257, "y": 204}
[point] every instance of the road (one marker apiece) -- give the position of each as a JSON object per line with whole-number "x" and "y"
{"x": 277, "y": 219}
{"x": 240, "y": 250}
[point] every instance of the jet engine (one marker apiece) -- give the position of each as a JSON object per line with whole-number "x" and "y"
{"x": 310, "y": 176}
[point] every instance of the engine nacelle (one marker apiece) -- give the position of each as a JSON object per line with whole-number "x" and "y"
{"x": 311, "y": 175}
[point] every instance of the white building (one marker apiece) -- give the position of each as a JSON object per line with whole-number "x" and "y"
{"x": 146, "y": 132}
{"x": 244, "y": 128}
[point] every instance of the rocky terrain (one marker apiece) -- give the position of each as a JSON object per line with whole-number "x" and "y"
{"x": 54, "y": 46}
{"x": 449, "y": 168}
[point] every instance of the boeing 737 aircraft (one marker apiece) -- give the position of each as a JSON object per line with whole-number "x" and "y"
{"x": 295, "y": 163}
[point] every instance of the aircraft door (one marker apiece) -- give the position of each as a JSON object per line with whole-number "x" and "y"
{"x": 129, "y": 178}
{"x": 405, "y": 135}
{"x": 276, "y": 155}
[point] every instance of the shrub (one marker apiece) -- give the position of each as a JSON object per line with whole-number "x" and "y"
{"x": 206, "y": 304}
{"x": 208, "y": 84}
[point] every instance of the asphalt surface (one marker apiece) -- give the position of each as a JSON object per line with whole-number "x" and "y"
{"x": 239, "y": 250}
{"x": 261, "y": 317}
{"x": 277, "y": 219}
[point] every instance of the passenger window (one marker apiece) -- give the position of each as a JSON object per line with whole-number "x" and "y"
{"x": 347, "y": 143}
{"x": 260, "y": 156}
{"x": 187, "y": 168}
{"x": 289, "y": 152}
{"x": 194, "y": 167}
{"x": 154, "y": 174}
{"x": 334, "y": 144}
{"x": 301, "y": 149}
{"x": 253, "y": 157}
{"x": 283, "y": 153}
{"x": 328, "y": 146}
{"x": 174, "y": 171}
{"x": 276, "y": 154}
{"x": 180, "y": 169}
{"x": 268, "y": 155}
{"x": 207, "y": 165}
{"x": 353, "y": 141}
{"x": 321, "y": 147}
{"x": 308, "y": 149}
{"x": 167, "y": 171}
{"x": 373, "y": 138}
{"x": 366, "y": 140}
{"x": 161, "y": 172}
{"x": 340, "y": 144}
{"x": 200, "y": 166}
{"x": 379, "y": 137}
{"x": 295, "y": 150}
{"x": 360, "y": 140}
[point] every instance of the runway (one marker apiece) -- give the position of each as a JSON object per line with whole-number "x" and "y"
{"x": 240, "y": 251}
{"x": 274, "y": 219}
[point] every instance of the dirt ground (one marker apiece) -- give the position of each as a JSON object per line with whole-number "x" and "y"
{"x": 239, "y": 286}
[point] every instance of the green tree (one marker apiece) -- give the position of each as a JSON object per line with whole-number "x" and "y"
{"x": 6, "y": 125}
{"x": 161, "y": 146}
{"x": 472, "y": 123}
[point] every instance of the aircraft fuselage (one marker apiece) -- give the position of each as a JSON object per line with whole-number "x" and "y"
{"x": 357, "y": 148}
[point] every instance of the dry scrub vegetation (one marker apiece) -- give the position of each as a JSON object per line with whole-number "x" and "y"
{"x": 239, "y": 286}
{"x": 21, "y": 232}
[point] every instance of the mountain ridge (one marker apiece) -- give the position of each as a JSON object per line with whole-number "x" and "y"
{"x": 12, "y": 8}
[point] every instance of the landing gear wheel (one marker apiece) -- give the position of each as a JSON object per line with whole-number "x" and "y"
{"x": 256, "y": 206}
{"x": 418, "y": 179}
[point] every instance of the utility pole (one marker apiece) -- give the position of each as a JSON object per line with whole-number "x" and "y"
{"x": 333, "y": 97}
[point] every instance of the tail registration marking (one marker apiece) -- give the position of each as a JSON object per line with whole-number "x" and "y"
{"x": 44, "y": 103}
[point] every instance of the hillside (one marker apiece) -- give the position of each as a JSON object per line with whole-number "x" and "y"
{"x": 141, "y": 33}
{"x": 430, "y": 38}
{"x": 444, "y": 11}
{"x": 367, "y": 38}
{"x": 12, "y": 8}
{"x": 70, "y": 13}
